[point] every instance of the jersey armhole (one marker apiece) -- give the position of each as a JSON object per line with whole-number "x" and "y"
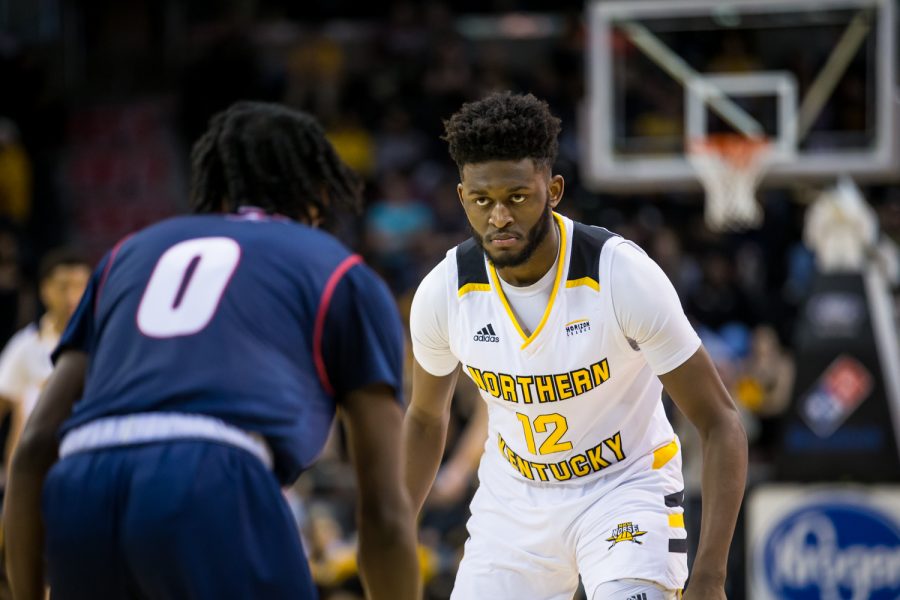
{"x": 106, "y": 269}
{"x": 322, "y": 314}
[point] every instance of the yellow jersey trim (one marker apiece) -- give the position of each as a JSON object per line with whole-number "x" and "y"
{"x": 473, "y": 287}
{"x": 663, "y": 455}
{"x": 676, "y": 520}
{"x": 561, "y": 259}
{"x": 588, "y": 281}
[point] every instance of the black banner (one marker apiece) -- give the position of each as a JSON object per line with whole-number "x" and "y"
{"x": 838, "y": 426}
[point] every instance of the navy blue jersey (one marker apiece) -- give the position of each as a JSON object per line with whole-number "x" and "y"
{"x": 259, "y": 321}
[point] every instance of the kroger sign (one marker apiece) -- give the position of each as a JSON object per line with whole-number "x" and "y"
{"x": 827, "y": 547}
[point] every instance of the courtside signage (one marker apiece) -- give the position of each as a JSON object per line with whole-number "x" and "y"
{"x": 824, "y": 543}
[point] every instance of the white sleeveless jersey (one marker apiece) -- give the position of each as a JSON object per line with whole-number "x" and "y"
{"x": 576, "y": 399}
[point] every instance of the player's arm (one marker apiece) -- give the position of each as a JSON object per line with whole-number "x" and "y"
{"x": 12, "y": 385}
{"x": 425, "y": 430}
{"x": 363, "y": 356}
{"x": 387, "y": 548}
{"x": 32, "y": 459}
{"x": 650, "y": 314}
{"x": 38, "y": 446}
{"x": 16, "y": 425}
{"x": 435, "y": 370}
{"x": 11, "y": 407}
{"x": 699, "y": 393}
{"x": 455, "y": 474}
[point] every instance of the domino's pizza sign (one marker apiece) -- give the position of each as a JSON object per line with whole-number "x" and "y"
{"x": 836, "y": 395}
{"x": 826, "y": 546}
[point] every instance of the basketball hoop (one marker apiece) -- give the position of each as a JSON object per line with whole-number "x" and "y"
{"x": 730, "y": 167}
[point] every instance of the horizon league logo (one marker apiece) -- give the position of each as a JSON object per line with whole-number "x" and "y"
{"x": 835, "y": 551}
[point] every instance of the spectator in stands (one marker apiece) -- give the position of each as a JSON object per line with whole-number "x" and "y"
{"x": 25, "y": 362}
{"x": 396, "y": 227}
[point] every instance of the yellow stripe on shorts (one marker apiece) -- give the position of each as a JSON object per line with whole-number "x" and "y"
{"x": 663, "y": 455}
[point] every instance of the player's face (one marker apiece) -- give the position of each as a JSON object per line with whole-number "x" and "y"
{"x": 62, "y": 289}
{"x": 509, "y": 205}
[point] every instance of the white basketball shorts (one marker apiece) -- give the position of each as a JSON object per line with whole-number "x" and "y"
{"x": 530, "y": 541}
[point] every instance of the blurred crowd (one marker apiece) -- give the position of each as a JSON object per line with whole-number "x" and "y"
{"x": 94, "y": 142}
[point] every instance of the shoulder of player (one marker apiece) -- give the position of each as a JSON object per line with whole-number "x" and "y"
{"x": 443, "y": 267}
{"x": 438, "y": 276}
{"x": 306, "y": 239}
{"x": 626, "y": 257}
{"x": 637, "y": 284}
{"x": 433, "y": 292}
{"x": 281, "y": 232}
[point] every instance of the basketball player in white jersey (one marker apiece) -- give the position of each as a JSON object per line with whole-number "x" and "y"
{"x": 571, "y": 333}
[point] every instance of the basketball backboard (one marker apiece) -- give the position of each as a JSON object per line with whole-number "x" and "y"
{"x": 815, "y": 77}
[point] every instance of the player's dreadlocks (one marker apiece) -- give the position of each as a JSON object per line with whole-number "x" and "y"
{"x": 503, "y": 126}
{"x": 272, "y": 157}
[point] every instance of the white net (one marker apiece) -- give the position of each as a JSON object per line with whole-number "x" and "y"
{"x": 730, "y": 168}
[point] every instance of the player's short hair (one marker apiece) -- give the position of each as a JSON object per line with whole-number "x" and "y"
{"x": 60, "y": 257}
{"x": 272, "y": 157}
{"x": 503, "y": 126}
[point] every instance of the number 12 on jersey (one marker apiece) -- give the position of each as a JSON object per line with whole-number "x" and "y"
{"x": 541, "y": 425}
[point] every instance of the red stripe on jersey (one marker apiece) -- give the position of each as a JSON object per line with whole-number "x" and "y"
{"x": 319, "y": 328}
{"x": 112, "y": 257}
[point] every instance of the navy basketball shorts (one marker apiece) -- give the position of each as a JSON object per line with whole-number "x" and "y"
{"x": 173, "y": 519}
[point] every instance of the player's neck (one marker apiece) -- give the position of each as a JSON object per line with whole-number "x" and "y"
{"x": 537, "y": 264}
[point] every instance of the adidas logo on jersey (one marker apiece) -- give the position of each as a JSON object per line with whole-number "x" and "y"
{"x": 641, "y": 596}
{"x": 486, "y": 334}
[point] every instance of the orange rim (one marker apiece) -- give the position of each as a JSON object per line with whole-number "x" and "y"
{"x": 736, "y": 149}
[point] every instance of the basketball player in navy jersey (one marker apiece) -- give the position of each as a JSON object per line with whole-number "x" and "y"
{"x": 201, "y": 371}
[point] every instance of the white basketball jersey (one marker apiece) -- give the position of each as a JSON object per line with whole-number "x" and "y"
{"x": 575, "y": 399}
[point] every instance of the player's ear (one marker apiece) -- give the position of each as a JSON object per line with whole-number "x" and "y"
{"x": 555, "y": 190}
{"x": 312, "y": 213}
{"x": 459, "y": 192}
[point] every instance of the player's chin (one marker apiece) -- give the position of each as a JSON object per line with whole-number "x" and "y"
{"x": 505, "y": 257}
